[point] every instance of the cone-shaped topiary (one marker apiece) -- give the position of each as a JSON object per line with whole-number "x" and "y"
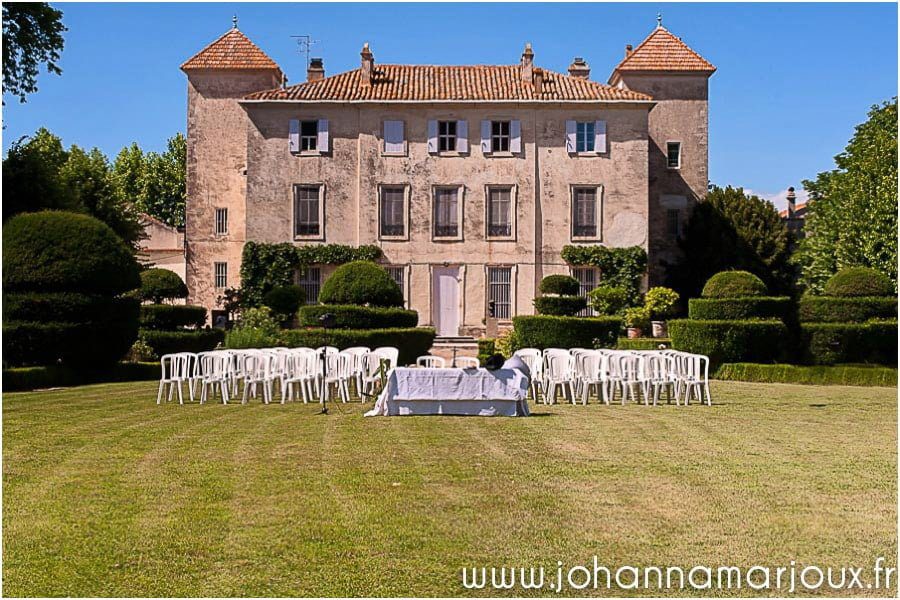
{"x": 361, "y": 282}
{"x": 734, "y": 284}
{"x": 858, "y": 281}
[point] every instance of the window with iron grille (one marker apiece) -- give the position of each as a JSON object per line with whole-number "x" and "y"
{"x": 587, "y": 281}
{"x": 446, "y": 212}
{"x": 393, "y": 200}
{"x": 398, "y": 274}
{"x": 673, "y": 222}
{"x": 499, "y": 207}
{"x": 221, "y": 221}
{"x": 584, "y": 136}
{"x": 306, "y": 211}
{"x": 446, "y": 136}
{"x": 499, "y": 136}
{"x": 584, "y": 212}
{"x": 310, "y": 281}
{"x": 673, "y": 155}
{"x": 500, "y": 291}
{"x": 309, "y": 134}
{"x": 220, "y": 271}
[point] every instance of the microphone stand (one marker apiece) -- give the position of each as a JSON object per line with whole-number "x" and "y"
{"x": 326, "y": 320}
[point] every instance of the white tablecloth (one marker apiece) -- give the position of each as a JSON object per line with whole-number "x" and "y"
{"x": 453, "y": 392}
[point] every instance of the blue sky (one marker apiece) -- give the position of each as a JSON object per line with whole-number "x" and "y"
{"x": 793, "y": 79}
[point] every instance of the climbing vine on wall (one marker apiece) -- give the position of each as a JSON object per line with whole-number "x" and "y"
{"x": 619, "y": 267}
{"x": 265, "y": 266}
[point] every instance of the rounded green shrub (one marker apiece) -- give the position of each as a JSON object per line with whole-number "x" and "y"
{"x": 734, "y": 284}
{"x": 546, "y": 331}
{"x": 56, "y": 251}
{"x": 284, "y": 301}
{"x": 563, "y": 306}
{"x": 858, "y": 281}
{"x": 172, "y": 316}
{"x": 732, "y": 341}
{"x": 608, "y": 300}
{"x": 737, "y": 309}
{"x": 350, "y": 316}
{"x": 661, "y": 302}
{"x": 158, "y": 285}
{"x": 562, "y": 285}
{"x": 363, "y": 283}
{"x": 832, "y": 309}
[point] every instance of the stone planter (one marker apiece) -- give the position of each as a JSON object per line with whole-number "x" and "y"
{"x": 633, "y": 333}
{"x": 660, "y": 329}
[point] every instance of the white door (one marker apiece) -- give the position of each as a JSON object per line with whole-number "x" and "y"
{"x": 445, "y": 292}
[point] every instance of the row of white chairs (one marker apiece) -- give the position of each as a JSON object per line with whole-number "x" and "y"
{"x": 260, "y": 372}
{"x": 632, "y": 374}
{"x": 436, "y": 362}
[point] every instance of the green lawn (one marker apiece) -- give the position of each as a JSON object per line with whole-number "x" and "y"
{"x": 106, "y": 493}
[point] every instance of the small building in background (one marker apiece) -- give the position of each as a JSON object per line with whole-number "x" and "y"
{"x": 163, "y": 246}
{"x": 794, "y": 216}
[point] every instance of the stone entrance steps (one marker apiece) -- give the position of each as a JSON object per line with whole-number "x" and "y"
{"x": 463, "y": 345}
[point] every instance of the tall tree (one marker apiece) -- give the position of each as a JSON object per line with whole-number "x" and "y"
{"x": 155, "y": 182}
{"x": 852, "y": 215}
{"x": 32, "y": 35}
{"x": 731, "y": 230}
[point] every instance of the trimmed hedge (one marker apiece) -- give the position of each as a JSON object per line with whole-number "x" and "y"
{"x": 31, "y": 378}
{"x": 352, "y": 316}
{"x": 831, "y": 309}
{"x": 412, "y": 342}
{"x": 732, "y": 341}
{"x": 830, "y": 343}
{"x": 361, "y": 282}
{"x": 65, "y": 307}
{"x": 161, "y": 284}
{"x": 737, "y": 309}
{"x": 546, "y": 331}
{"x": 818, "y": 375}
{"x": 172, "y": 316}
{"x": 734, "y": 284}
{"x": 642, "y": 343}
{"x": 564, "y": 285}
{"x": 858, "y": 281}
{"x": 169, "y": 342}
{"x": 563, "y": 306}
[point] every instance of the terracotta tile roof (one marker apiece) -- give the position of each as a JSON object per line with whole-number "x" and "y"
{"x": 233, "y": 50}
{"x": 662, "y": 51}
{"x": 799, "y": 211}
{"x": 426, "y": 82}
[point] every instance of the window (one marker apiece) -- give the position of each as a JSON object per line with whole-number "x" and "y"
{"x": 584, "y": 212}
{"x": 398, "y": 274}
{"x": 499, "y": 292}
{"x": 673, "y": 222}
{"x": 673, "y": 155}
{"x": 310, "y": 281}
{"x": 587, "y": 281}
{"x": 221, "y": 274}
{"x": 446, "y": 212}
{"x": 499, "y": 212}
{"x": 393, "y": 213}
{"x": 394, "y": 139}
{"x": 221, "y": 221}
{"x": 499, "y": 136}
{"x": 307, "y": 211}
{"x": 309, "y": 134}
{"x": 446, "y": 136}
{"x": 584, "y": 140}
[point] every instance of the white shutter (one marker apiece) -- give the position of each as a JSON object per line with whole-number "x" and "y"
{"x": 322, "y": 141}
{"x": 486, "y": 137}
{"x": 515, "y": 136}
{"x": 600, "y": 137}
{"x": 570, "y": 136}
{"x": 294, "y": 136}
{"x": 462, "y": 136}
{"x": 432, "y": 136}
{"x": 393, "y": 136}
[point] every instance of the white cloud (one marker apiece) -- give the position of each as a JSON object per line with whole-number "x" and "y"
{"x": 779, "y": 199}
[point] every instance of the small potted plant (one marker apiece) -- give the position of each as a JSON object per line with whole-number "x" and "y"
{"x": 660, "y": 302}
{"x": 637, "y": 320}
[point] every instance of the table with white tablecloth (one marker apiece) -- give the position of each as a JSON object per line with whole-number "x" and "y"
{"x": 476, "y": 392}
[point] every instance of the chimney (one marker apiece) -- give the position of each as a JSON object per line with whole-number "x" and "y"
{"x": 316, "y": 70}
{"x": 538, "y": 81}
{"x": 628, "y": 50}
{"x": 527, "y": 63}
{"x": 579, "y": 68}
{"x": 791, "y": 203}
{"x": 367, "y": 65}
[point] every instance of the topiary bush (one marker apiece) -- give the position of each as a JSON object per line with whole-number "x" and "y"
{"x": 734, "y": 284}
{"x": 565, "y": 306}
{"x": 732, "y": 341}
{"x": 830, "y": 309}
{"x": 608, "y": 300}
{"x": 831, "y": 343}
{"x": 545, "y": 331}
{"x": 858, "y": 281}
{"x": 361, "y": 282}
{"x": 350, "y": 316}
{"x": 737, "y": 309}
{"x": 411, "y": 342}
{"x": 284, "y": 301}
{"x": 562, "y": 285}
{"x": 63, "y": 274}
{"x": 172, "y": 316}
{"x": 158, "y": 285}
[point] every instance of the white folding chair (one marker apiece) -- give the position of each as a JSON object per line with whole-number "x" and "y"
{"x": 261, "y": 371}
{"x": 215, "y": 369}
{"x": 467, "y": 362}
{"x": 302, "y": 364}
{"x": 337, "y": 373}
{"x": 533, "y": 358}
{"x": 594, "y": 373}
{"x": 559, "y": 374}
{"x": 431, "y": 362}
{"x": 391, "y": 354}
{"x": 176, "y": 369}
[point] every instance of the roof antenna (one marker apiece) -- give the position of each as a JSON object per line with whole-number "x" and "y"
{"x": 658, "y": 19}
{"x": 234, "y": 22}
{"x": 306, "y": 43}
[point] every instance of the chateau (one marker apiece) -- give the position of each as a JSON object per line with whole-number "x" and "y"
{"x": 471, "y": 179}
